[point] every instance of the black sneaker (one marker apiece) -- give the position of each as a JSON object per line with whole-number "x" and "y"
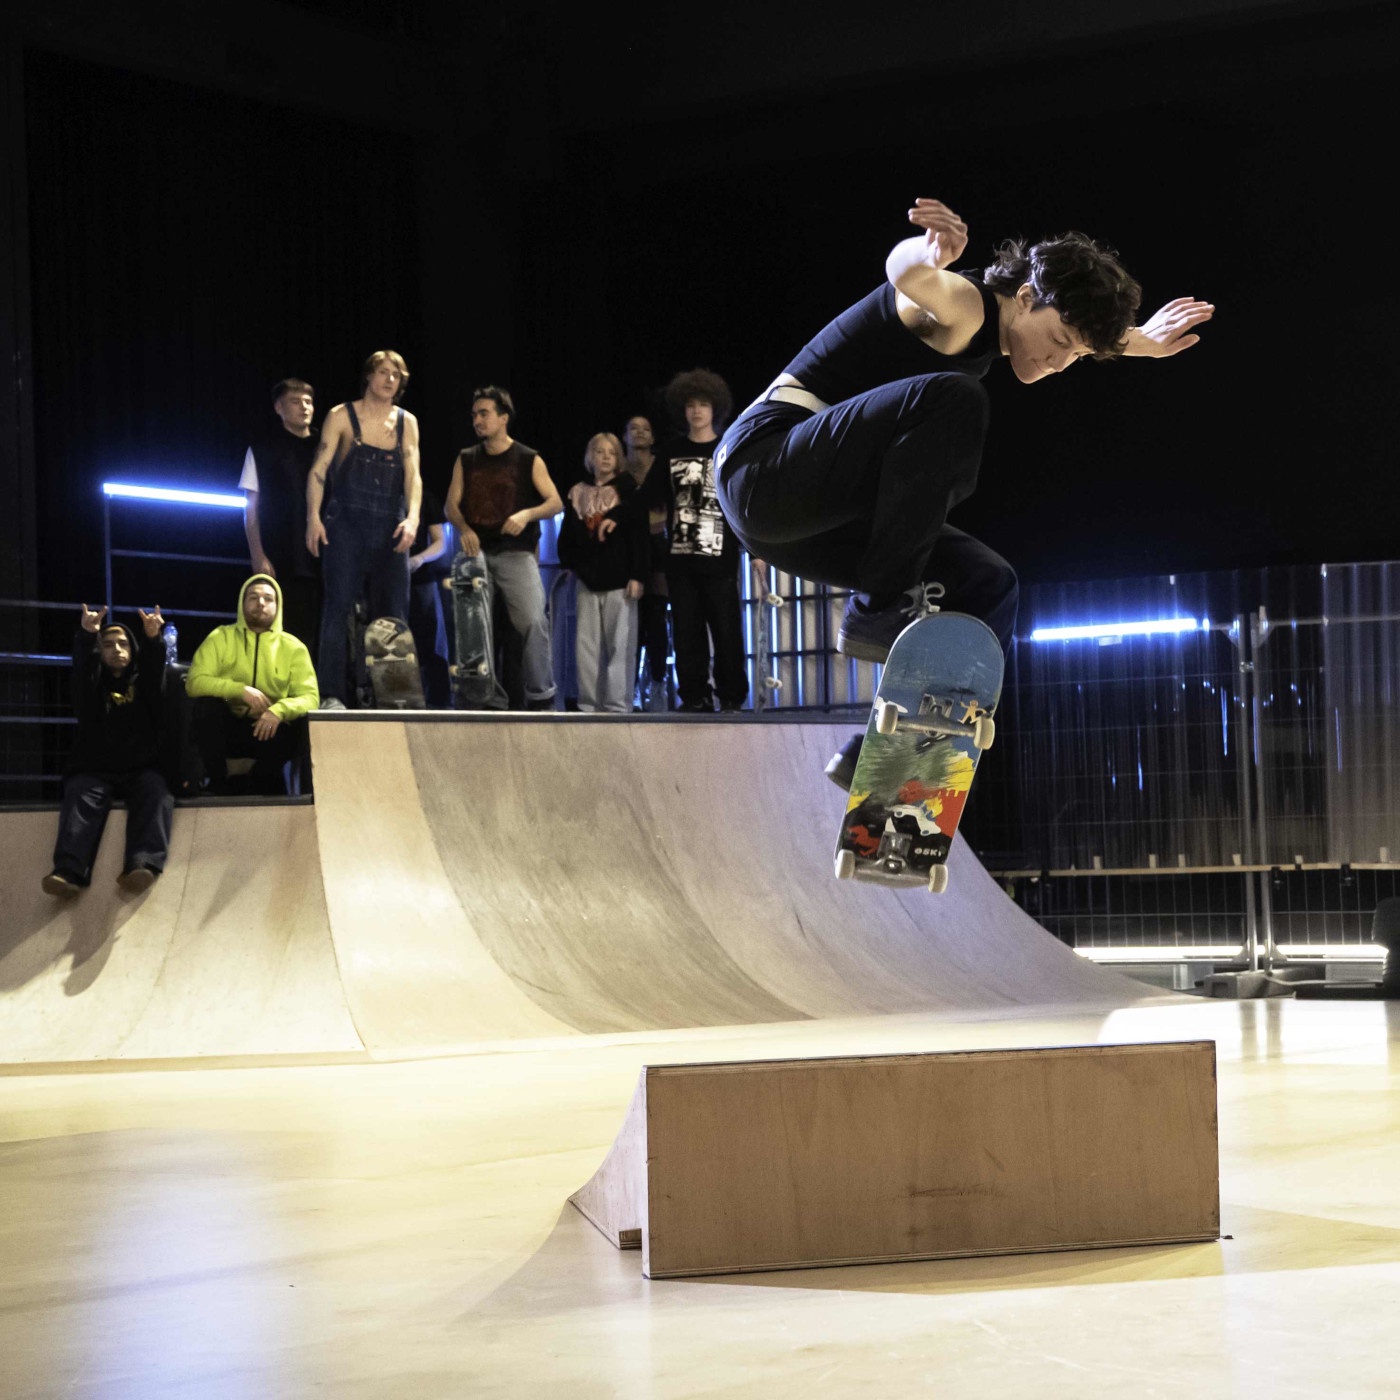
{"x": 138, "y": 880}
{"x": 869, "y": 635}
{"x": 60, "y": 886}
{"x": 842, "y": 767}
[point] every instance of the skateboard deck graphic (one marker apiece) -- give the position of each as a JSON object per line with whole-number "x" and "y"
{"x": 391, "y": 659}
{"x": 474, "y": 683}
{"x": 930, "y": 722}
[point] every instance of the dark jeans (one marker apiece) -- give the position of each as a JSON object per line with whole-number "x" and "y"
{"x": 705, "y": 609}
{"x": 222, "y": 735}
{"x": 359, "y": 555}
{"x": 87, "y": 799}
{"x": 301, "y": 610}
{"x": 429, "y": 628}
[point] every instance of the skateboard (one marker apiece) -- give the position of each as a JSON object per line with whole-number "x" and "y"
{"x": 765, "y": 604}
{"x": 391, "y": 659}
{"x": 474, "y": 683}
{"x": 929, "y": 725}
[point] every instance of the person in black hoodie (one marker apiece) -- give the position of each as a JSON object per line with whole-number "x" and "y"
{"x": 603, "y": 539}
{"x": 118, "y": 694}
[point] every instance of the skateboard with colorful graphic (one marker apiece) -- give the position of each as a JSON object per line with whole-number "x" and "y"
{"x": 391, "y": 659}
{"x": 929, "y": 725}
{"x": 474, "y": 683}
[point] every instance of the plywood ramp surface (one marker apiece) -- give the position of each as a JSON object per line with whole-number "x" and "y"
{"x": 229, "y": 953}
{"x": 640, "y": 876}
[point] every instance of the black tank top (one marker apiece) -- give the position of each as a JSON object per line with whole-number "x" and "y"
{"x": 494, "y": 487}
{"x": 868, "y": 345}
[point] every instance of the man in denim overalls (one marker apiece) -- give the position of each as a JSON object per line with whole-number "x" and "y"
{"x": 369, "y": 453}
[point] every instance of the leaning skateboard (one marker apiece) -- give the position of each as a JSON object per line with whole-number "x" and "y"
{"x": 930, "y": 722}
{"x": 474, "y": 683}
{"x": 391, "y": 659}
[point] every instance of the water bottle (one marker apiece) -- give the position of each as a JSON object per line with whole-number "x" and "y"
{"x": 171, "y": 636}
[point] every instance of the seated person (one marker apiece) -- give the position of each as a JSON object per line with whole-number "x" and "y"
{"x": 118, "y": 683}
{"x": 253, "y": 686}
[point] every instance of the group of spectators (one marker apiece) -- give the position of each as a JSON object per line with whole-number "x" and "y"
{"x": 341, "y": 519}
{"x": 344, "y": 519}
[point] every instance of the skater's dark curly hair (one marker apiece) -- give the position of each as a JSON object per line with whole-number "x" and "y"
{"x": 699, "y": 384}
{"x": 1082, "y": 280}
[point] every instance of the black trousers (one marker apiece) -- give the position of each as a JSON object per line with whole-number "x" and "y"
{"x": 222, "y": 735}
{"x": 301, "y": 609}
{"x": 705, "y": 610}
{"x": 88, "y": 798}
{"x": 857, "y": 495}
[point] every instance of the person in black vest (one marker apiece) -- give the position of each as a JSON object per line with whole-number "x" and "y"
{"x": 118, "y": 696}
{"x": 843, "y": 471}
{"x": 274, "y": 518}
{"x": 500, "y": 492}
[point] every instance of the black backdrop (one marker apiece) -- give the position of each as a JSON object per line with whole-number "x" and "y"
{"x": 189, "y": 247}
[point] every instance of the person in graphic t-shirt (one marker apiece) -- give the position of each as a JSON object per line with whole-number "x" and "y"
{"x": 273, "y": 482}
{"x": 500, "y": 492}
{"x": 702, "y": 568}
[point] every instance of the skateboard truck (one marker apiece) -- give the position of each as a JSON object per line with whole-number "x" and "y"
{"x": 977, "y": 724}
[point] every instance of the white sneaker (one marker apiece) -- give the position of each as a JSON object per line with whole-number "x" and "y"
{"x": 331, "y": 703}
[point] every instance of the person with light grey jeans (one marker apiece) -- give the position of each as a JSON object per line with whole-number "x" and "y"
{"x": 603, "y": 538}
{"x": 517, "y": 575}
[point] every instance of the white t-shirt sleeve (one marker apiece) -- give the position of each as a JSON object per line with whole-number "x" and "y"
{"x": 249, "y": 480}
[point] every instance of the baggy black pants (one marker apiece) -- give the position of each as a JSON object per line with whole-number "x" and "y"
{"x": 88, "y": 798}
{"x": 222, "y": 735}
{"x": 857, "y": 495}
{"x": 705, "y": 609}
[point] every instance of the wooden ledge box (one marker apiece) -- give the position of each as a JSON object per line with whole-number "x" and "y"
{"x": 783, "y": 1164}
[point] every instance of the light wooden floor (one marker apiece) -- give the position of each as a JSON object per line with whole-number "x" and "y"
{"x": 400, "y": 1230}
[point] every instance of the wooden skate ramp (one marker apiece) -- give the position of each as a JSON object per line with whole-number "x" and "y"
{"x": 228, "y": 954}
{"x": 587, "y": 875}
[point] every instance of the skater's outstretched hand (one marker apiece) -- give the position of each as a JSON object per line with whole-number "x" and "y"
{"x": 1170, "y": 331}
{"x": 91, "y": 620}
{"x": 945, "y": 235}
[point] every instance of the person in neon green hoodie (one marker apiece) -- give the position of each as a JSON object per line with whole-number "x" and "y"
{"x": 253, "y": 686}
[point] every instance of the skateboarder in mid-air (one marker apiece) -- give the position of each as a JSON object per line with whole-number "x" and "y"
{"x": 843, "y": 471}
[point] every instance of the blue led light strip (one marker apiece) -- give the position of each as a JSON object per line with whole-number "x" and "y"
{"x": 166, "y": 493}
{"x": 1168, "y": 625}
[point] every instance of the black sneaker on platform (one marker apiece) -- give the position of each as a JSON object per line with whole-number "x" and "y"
{"x": 842, "y": 767}
{"x": 868, "y": 634}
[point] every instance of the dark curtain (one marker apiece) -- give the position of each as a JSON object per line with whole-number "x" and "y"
{"x": 190, "y": 248}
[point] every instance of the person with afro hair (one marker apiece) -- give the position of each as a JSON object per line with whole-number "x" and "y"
{"x": 843, "y": 471}
{"x": 702, "y": 566}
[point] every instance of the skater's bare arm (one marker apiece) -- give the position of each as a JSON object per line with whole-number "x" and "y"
{"x": 918, "y": 269}
{"x": 412, "y": 486}
{"x": 467, "y": 540}
{"x": 436, "y": 548}
{"x": 551, "y": 505}
{"x": 336, "y": 423}
{"x": 1171, "y": 330}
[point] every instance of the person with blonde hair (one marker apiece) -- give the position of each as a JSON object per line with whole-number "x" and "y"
{"x": 603, "y": 539}
{"x": 368, "y": 461}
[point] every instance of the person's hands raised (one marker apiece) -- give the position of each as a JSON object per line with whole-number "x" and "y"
{"x": 1170, "y": 331}
{"x": 945, "y": 235}
{"x": 151, "y": 622}
{"x": 90, "y": 620}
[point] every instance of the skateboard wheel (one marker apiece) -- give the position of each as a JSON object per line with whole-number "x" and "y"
{"x": 478, "y": 584}
{"x": 984, "y": 731}
{"x": 938, "y": 879}
{"x": 845, "y": 865}
{"x": 772, "y": 683}
{"x": 886, "y": 717}
{"x": 483, "y": 670}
